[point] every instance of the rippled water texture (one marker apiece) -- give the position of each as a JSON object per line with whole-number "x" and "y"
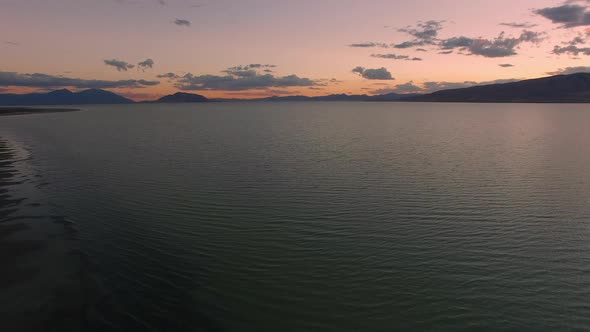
{"x": 307, "y": 216}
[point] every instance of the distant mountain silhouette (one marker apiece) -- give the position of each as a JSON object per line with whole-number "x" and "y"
{"x": 574, "y": 88}
{"x": 182, "y": 97}
{"x": 64, "y": 97}
{"x": 334, "y": 97}
{"x": 392, "y": 97}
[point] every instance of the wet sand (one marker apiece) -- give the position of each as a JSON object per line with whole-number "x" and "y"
{"x": 5, "y": 111}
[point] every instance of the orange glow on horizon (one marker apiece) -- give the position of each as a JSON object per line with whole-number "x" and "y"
{"x": 223, "y": 36}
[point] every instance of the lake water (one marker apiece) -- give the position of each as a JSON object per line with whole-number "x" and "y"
{"x": 297, "y": 217}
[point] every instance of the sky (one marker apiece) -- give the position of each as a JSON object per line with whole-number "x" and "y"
{"x": 144, "y": 49}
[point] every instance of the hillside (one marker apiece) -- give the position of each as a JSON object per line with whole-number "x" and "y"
{"x": 182, "y": 97}
{"x": 64, "y": 97}
{"x": 574, "y": 88}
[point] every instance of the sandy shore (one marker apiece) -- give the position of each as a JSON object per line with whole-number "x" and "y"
{"x": 32, "y": 110}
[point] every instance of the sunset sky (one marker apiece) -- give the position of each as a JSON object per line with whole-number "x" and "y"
{"x": 144, "y": 49}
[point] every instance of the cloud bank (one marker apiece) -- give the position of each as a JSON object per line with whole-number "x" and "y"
{"x": 238, "y": 78}
{"x": 524, "y": 25}
{"x": 147, "y": 63}
{"x": 392, "y": 56}
{"x": 181, "y": 22}
{"x": 568, "y": 15}
{"x": 500, "y": 46}
{"x": 369, "y": 45}
{"x": 119, "y": 64}
{"x": 571, "y": 50}
{"x": 46, "y": 81}
{"x": 373, "y": 74}
{"x": 570, "y": 70}
{"x": 423, "y": 33}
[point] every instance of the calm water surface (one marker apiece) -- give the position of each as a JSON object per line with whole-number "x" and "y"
{"x": 305, "y": 216}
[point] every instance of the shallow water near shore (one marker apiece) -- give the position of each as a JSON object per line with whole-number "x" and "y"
{"x": 297, "y": 217}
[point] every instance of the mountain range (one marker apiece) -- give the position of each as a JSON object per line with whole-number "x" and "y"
{"x": 64, "y": 97}
{"x": 573, "y": 88}
{"x": 182, "y": 97}
{"x": 334, "y": 97}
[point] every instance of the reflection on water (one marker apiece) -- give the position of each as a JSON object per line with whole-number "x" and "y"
{"x": 302, "y": 216}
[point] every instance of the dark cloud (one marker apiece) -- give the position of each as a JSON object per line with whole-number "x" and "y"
{"x": 495, "y": 48}
{"x": 525, "y": 25}
{"x": 180, "y": 22}
{"x": 423, "y": 33}
{"x": 248, "y": 70}
{"x": 369, "y": 45}
{"x": 570, "y": 70}
{"x": 409, "y": 44}
{"x": 528, "y": 36}
{"x": 162, "y": 2}
{"x": 572, "y": 47}
{"x": 373, "y": 74}
{"x": 232, "y": 83}
{"x": 147, "y": 63}
{"x": 252, "y": 66}
{"x": 119, "y": 64}
{"x": 168, "y": 75}
{"x": 395, "y": 57}
{"x": 500, "y": 46}
{"x": 568, "y": 15}
{"x": 506, "y": 65}
{"x": 258, "y": 65}
{"x": 239, "y": 78}
{"x": 571, "y": 50}
{"x": 426, "y": 33}
{"x": 11, "y": 43}
{"x": 37, "y": 80}
{"x": 390, "y": 56}
{"x": 456, "y": 42}
{"x": 577, "y": 40}
{"x": 241, "y": 73}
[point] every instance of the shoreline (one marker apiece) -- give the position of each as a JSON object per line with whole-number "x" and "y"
{"x": 41, "y": 266}
{"x": 7, "y": 110}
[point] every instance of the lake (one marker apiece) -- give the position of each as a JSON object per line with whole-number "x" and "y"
{"x": 297, "y": 217}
